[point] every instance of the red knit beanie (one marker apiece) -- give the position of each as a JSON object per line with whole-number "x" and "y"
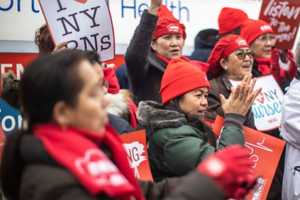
{"x": 181, "y": 77}
{"x": 167, "y": 24}
{"x": 255, "y": 28}
{"x": 224, "y": 47}
{"x": 230, "y": 19}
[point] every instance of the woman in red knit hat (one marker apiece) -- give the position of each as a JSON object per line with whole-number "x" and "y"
{"x": 261, "y": 38}
{"x": 158, "y": 38}
{"x": 230, "y": 61}
{"x": 178, "y": 140}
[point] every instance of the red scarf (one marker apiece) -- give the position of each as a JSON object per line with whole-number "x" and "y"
{"x": 202, "y": 65}
{"x": 264, "y": 66}
{"x": 281, "y": 73}
{"x": 78, "y": 151}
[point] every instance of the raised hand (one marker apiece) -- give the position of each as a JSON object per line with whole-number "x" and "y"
{"x": 241, "y": 98}
{"x": 154, "y": 6}
{"x": 60, "y": 47}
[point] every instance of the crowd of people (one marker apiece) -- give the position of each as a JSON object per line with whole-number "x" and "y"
{"x": 74, "y": 108}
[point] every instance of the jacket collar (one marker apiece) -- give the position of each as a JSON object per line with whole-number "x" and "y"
{"x": 156, "y": 62}
{"x": 226, "y": 82}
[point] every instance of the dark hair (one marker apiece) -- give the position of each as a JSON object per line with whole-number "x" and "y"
{"x": 93, "y": 57}
{"x": 235, "y": 31}
{"x": 43, "y": 40}
{"x": 50, "y": 79}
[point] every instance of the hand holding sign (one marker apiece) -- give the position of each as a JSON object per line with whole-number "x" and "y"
{"x": 241, "y": 98}
{"x": 60, "y": 47}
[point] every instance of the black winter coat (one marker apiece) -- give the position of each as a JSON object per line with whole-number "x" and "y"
{"x": 29, "y": 173}
{"x": 145, "y": 69}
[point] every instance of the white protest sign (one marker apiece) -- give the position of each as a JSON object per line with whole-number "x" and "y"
{"x": 267, "y": 107}
{"x": 83, "y": 24}
{"x": 136, "y": 151}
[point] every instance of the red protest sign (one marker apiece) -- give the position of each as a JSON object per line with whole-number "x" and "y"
{"x": 15, "y": 62}
{"x": 136, "y": 147}
{"x": 284, "y": 17}
{"x": 265, "y": 151}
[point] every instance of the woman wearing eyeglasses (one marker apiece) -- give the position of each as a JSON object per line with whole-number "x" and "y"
{"x": 268, "y": 59}
{"x": 230, "y": 61}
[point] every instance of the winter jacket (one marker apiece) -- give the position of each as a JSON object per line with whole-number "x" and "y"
{"x": 122, "y": 76}
{"x": 119, "y": 124}
{"x": 29, "y": 173}
{"x": 221, "y": 85}
{"x": 204, "y": 43}
{"x": 176, "y": 144}
{"x": 290, "y": 132}
{"x": 145, "y": 69}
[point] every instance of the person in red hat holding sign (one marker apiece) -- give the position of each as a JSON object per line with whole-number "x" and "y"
{"x": 268, "y": 59}
{"x": 230, "y": 61}
{"x": 158, "y": 38}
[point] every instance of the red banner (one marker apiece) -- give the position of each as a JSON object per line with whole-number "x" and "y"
{"x": 16, "y": 62}
{"x": 284, "y": 17}
{"x": 265, "y": 151}
{"x": 136, "y": 147}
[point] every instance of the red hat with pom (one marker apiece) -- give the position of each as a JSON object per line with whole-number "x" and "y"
{"x": 224, "y": 47}
{"x": 230, "y": 19}
{"x": 180, "y": 77}
{"x": 168, "y": 24}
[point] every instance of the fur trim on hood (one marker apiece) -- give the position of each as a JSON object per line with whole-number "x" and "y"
{"x": 155, "y": 115}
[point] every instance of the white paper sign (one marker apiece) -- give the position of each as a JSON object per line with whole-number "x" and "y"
{"x": 83, "y": 24}
{"x": 267, "y": 107}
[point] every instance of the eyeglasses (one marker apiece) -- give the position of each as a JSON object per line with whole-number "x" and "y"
{"x": 242, "y": 54}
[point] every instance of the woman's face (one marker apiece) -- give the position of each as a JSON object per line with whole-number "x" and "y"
{"x": 89, "y": 112}
{"x": 238, "y": 64}
{"x": 169, "y": 46}
{"x": 194, "y": 103}
{"x": 262, "y": 46}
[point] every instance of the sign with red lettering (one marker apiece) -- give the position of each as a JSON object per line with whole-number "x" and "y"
{"x": 284, "y": 17}
{"x": 84, "y": 25}
{"x": 265, "y": 151}
{"x": 136, "y": 147}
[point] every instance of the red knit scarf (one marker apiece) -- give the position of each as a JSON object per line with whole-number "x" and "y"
{"x": 202, "y": 65}
{"x": 167, "y": 60}
{"x": 78, "y": 151}
{"x": 264, "y": 66}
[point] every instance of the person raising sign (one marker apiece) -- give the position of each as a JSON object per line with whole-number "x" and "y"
{"x": 158, "y": 38}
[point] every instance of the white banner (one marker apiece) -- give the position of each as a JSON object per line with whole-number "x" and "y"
{"x": 267, "y": 108}
{"x": 20, "y": 18}
{"x": 83, "y": 24}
